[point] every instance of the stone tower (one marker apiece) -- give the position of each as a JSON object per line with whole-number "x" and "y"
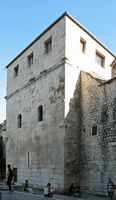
{"x": 43, "y": 111}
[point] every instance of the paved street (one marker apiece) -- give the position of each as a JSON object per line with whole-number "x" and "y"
{"x": 6, "y": 195}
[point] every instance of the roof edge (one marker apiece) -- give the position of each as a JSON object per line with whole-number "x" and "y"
{"x": 50, "y": 26}
{"x": 38, "y": 37}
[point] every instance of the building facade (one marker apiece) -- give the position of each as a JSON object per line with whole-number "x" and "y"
{"x": 3, "y": 150}
{"x": 48, "y": 110}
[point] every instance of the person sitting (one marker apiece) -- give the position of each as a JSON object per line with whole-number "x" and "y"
{"x": 71, "y": 189}
{"x": 77, "y": 188}
{"x": 74, "y": 190}
{"x": 27, "y": 188}
{"x": 48, "y": 192}
{"x": 110, "y": 188}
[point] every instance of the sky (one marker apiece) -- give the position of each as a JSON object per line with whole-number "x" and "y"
{"x": 21, "y": 21}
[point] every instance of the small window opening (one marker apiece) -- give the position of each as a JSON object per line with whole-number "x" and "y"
{"x": 16, "y": 70}
{"x": 40, "y": 113}
{"x": 19, "y": 121}
{"x": 94, "y": 130}
{"x": 100, "y": 59}
{"x": 82, "y": 45}
{"x": 28, "y": 159}
{"x": 48, "y": 45}
{"x": 30, "y": 60}
{"x": 15, "y": 174}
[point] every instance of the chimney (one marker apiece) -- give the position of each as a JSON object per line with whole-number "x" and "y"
{"x": 113, "y": 65}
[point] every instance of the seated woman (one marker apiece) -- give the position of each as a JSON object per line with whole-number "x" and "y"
{"x": 75, "y": 191}
{"x": 48, "y": 192}
{"x": 27, "y": 188}
{"x": 71, "y": 189}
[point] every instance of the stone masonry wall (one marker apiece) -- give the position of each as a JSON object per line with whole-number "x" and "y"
{"x": 97, "y": 152}
{"x": 72, "y": 134}
{"x": 107, "y": 130}
{"x": 37, "y": 148}
{"x": 89, "y": 165}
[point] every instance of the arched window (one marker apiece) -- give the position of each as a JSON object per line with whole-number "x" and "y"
{"x": 40, "y": 113}
{"x": 19, "y": 121}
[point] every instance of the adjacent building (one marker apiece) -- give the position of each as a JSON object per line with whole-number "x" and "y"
{"x": 2, "y": 150}
{"x": 60, "y": 105}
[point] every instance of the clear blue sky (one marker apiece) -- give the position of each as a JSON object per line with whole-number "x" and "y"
{"x": 21, "y": 21}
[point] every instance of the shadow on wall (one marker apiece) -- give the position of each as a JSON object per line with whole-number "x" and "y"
{"x": 72, "y": 130}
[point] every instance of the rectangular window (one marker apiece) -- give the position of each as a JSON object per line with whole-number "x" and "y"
{"x": 82, "y": 45}
{"x": 94, "y": 130}
{"x": 100, "y": 59}
{"x": 30, "y": 60}
{"x": 28, "y": 159}
{"x": 19, "y": 122}
{"x": 48, "y": 45}
{"x": 15, "y": 174}
{"x": 16, "y": 70}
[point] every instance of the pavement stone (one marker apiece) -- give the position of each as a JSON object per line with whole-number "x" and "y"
{"x": 38, "y": 195}
{"x": 6, "y": 195}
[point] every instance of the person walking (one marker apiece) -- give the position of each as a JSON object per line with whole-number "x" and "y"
{"x": 110, "y": 189}
{"x": 10, "y": 176}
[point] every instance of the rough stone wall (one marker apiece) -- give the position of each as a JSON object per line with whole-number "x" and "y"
{"x": 107, "y": 130}
{"x": 81, "y": 148}
{"x": 97, "y": 152}
{"x": 89, "y": 145}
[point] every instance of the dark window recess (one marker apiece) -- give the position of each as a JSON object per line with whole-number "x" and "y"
{"x": 40, "y": 113}
{"x": 94, "y": 130}
{"x": 100, "y": 59}
{"x": 30, "y": 60}
{"x": 28, "y": 159}
{"x": 82, "y": 45}
{"x": 15, "y": 174}
{"x": 16, "y": 70}
{"x": 19, "y": 121}
{"x": 48, "y": 45}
